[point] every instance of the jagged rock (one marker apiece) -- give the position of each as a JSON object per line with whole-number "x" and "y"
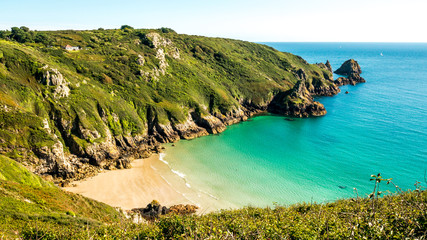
{"x": 189, "y": 129}
{"x": 328, "y": 66}
{"x": 140, "y": 60}
{"x": 166, "y": 133}
{"x": 162, "y": 61}
{"x": 123, "y": 163}
{"x": 296, "y": 102}
{"x": 212, "y": 124}
{"x": 56, "y": 162}
{"x": 174, "y": 53}
{"x": 352, "y": 70}
{"x": 183, "y": 209}
{"x": 349, "y": 67}
{"x": 152, "y": 211}
{"x": 235, "y": 116}
{"x": 319, "y": 87}
{"x": 300, "y": 74}
{"x": 52, "y": 77}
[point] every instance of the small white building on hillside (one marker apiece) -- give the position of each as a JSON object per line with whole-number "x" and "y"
{"x": 71, "y": 48}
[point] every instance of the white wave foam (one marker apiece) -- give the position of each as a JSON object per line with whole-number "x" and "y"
{"x": 187, "y": 184}
{"x": 180, "y": 174}
{"x": 210, "y": 195}
{"x": 161, "y": 158}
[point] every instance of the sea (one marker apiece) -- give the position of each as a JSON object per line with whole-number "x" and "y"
{"x": 379, "y": 127}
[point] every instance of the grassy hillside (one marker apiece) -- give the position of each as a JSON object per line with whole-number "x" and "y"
{"x": 27, "y": 200}
{"x": 124, "y": 91}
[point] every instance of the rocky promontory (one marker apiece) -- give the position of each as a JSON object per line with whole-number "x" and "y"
{"x": 296, "y": 102}
{"x": 352, "y": 71}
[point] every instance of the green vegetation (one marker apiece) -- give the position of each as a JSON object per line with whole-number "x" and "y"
{"x": 26, "y": 199}
{"x": 35, "y": 212}
{"x": 10, "y": 170}
{"x": 126, "y": 82}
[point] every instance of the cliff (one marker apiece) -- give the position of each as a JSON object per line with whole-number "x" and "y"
{"x": 67, "y": 114}
{"x": 296, "y": 102}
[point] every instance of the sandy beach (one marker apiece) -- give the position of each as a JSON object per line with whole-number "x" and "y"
{"x": 148, "y": 179}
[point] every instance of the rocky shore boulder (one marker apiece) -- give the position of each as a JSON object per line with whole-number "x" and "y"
{"x": 154, "y": 210}
{"x": 352, "y": 71}
{"x": 349, "y": 67}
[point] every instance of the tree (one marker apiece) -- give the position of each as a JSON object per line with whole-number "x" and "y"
{"x": 25, "y": 29}
{"x": 4, "y": 34}
{"x": 18, "y": 34}
{"x": 43, "y": 38}
{"x": 167, "y": 30}
{"x": 126, "y": 27}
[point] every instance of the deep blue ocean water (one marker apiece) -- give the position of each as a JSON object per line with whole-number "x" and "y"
{"x": 379, "y": 127}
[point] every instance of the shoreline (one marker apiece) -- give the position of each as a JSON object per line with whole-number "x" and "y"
{"x": 148, "y": 179}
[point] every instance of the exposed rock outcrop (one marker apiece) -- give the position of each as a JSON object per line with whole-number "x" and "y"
{"x": 152, "y": 211}
{"x": 352, "y": 71}
{"x": 155, "y": 210}
{"x": 212, "y": 124}
{"x": 349, "y": 67}
{"x": 296, "y": 102}
{"x": 318, "y": 86}
{"x": 52, "y": 77}
{"x": 235, "y": 116}
{"x": 189, "y": 129}
{"x": 328, "y": 66}
{"x": 163, "y": 47}
{"x": 56, "y": 162}
{"x": 140, "y": 60}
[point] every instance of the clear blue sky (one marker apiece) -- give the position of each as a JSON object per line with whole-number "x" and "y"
{"x": 266, "y": 20}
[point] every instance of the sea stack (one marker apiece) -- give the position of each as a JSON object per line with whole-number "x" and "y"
{"x": 351, "y": 69}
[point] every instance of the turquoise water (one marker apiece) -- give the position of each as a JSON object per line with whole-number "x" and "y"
{"x": 379, "y": 127}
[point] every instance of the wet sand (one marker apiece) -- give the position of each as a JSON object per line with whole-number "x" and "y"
{"x": 148, "y": 179}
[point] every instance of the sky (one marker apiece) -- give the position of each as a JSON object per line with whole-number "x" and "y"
{"x": 250, "y": 20}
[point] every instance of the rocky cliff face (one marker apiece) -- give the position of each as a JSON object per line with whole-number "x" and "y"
{"x": 352, "y": 71}
{"x": 117, "y": 102}
{"x": 117, "y": 152}
{"x": 52, "y": 77}
{"x": 296, "y": 102}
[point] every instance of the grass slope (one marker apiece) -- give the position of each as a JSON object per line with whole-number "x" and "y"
{"x": 26, "y": 199}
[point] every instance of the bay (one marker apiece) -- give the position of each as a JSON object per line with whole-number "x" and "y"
{"x": 379, "y": 127}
